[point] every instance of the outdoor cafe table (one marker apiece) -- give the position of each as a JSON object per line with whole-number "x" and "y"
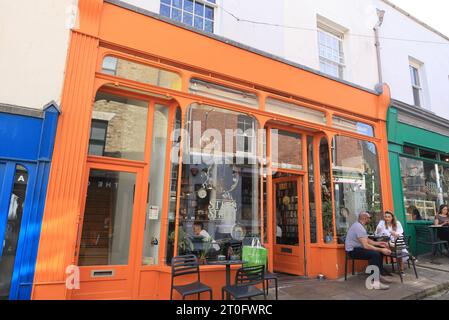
{"x": 228, "y": 264}
{"x": 379, "y": 238}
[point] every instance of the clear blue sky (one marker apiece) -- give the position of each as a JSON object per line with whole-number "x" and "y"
{"x": 435, "y": 13}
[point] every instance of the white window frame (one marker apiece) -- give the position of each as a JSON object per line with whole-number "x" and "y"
{"x": 215, "y": 6}
{"x": 417, "y": 86}
{"x": 338, "y": 34}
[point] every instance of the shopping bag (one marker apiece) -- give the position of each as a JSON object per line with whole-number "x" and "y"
{"x": 255, "y": 254}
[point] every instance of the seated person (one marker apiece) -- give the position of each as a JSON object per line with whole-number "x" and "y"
{"x": 359, "y": 246}
{"x": 414, "y": 212}
{"x": 442, "y": 220}
{"x": 200, "y": 236}
{"x": 391, "y": 228}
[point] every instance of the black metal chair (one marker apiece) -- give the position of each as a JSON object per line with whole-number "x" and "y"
{"x": 425, "y": 236}
{"x": 400, "y": 250}
{"x": 246, "y": 280}
{"x": 186, "y": 265}
{"x": 268, "y": 276}
{"x": 347, "y": 258}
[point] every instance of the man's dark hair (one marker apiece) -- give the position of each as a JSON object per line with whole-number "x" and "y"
{"x": 199, "y": 223}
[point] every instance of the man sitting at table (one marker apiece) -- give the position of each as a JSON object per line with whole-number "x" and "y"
{"x": 200, "y": 234}
{"x": 359, "y": 246}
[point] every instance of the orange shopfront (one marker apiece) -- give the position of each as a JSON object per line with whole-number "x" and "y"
{"x": 166, "y": 132}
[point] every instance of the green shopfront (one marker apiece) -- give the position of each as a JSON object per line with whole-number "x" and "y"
{"x": 418, "y": 143}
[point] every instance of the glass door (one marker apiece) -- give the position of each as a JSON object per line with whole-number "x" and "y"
{"x": 13, "y": 188}
{"x": 123, "y": 212}
{"x": 288, "y": 225}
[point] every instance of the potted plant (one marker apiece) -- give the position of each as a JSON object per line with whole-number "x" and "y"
{"x": 207, "y": 244}
{"x": 328, "y": 225}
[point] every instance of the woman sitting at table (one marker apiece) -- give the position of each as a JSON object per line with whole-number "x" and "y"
{"x": 442, "y": 220}
{"x": 392, "y": 228}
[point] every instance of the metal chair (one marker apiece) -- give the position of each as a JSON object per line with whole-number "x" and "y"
{"x": 186, "y": 265}
{"x": 425, "y": 236}
{"x": 246, "y": 280}
{"x": 400, "y": 250}
{"x": 268, "y": 276}
{"x": 348, "y": 257}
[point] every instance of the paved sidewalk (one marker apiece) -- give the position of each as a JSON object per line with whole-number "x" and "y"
{"x": 433, "y": 278}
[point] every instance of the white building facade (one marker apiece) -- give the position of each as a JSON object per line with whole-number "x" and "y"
{"x": 334, "y": 37}
{"x": 34, "y": 37}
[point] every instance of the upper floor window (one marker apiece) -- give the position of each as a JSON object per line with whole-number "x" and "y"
{"x": 330, "y": 48}
{"x": 196, "y": 13}
{"x": 415, "y": 74}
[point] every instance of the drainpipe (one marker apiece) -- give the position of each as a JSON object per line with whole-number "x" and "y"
{"x": 380, "y": 14}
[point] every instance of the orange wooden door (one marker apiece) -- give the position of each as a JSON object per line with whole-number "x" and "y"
{"x": 288, "y": 225}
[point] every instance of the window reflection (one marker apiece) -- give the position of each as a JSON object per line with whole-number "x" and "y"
{"x": 156, "y": 185}
{"x": 286, "y": 150}
{"x": 326, "y": 193}
{"x": 356, "y": 182}
{"x": 118, "y": 128}
{"x": 312, "y": 202}
{"x": 174, "y": 172}
{"x": 219, "y": 186}
{"x": 425, "y": 187}
{"x": 13, "y": 224}
{"x": 108, "y": 214}
{"x": 142, "y": 73}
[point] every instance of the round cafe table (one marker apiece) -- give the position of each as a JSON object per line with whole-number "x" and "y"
{"x": 228, "y": 264}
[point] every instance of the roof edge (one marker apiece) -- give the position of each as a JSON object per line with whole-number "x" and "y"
{"x": 425, "y": 25}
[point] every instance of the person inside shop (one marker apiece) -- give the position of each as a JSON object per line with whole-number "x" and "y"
{"x": 442, "y": 220}
{"x": 391, "y": 228}
{"x": 201, "y": 236}
{"x": 359, "y": 246}
{"x": 414, "y": 212}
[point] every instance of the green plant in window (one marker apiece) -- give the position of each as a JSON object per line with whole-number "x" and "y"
{"x": 328, "y": 224}
{"x": 206, "y": 248}
{"x": 184, "y": 245}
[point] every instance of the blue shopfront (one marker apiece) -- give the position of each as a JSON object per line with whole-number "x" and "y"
{"x": 26, "y": 146}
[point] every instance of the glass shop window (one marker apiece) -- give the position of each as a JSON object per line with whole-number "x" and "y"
{"x": 219, "y": 202}
{"x": 427, "y": 154}
{"x": 425, "y": 187}
{"x": 175, "y": 138}
{"x": 108, "y": 212}
{"x": 294, "y": 111}
{"x": 141, "y": 73}
{"x": 12, "y": 232}
{"x": 118, "y": 128}
{"x": 156, "y": 185}
{"x": 286, "y": 150}
{"x": 219, "y": 92}
{"x": 326, "y": 193}
{"x": 312, "y": 202}
{"x": 356, "y": 182}
{"x": 410, "y": 150}
{"x": 352, "y": 125}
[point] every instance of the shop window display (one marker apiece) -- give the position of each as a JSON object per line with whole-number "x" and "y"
{"x": 174, "y": 172}
{"x": 326, "y": 192}
{"x": 356, "y": 182}
{"x": 219, "y": 186}
{"x": 312, "y": 202}
{"x": 425, "y": 188}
